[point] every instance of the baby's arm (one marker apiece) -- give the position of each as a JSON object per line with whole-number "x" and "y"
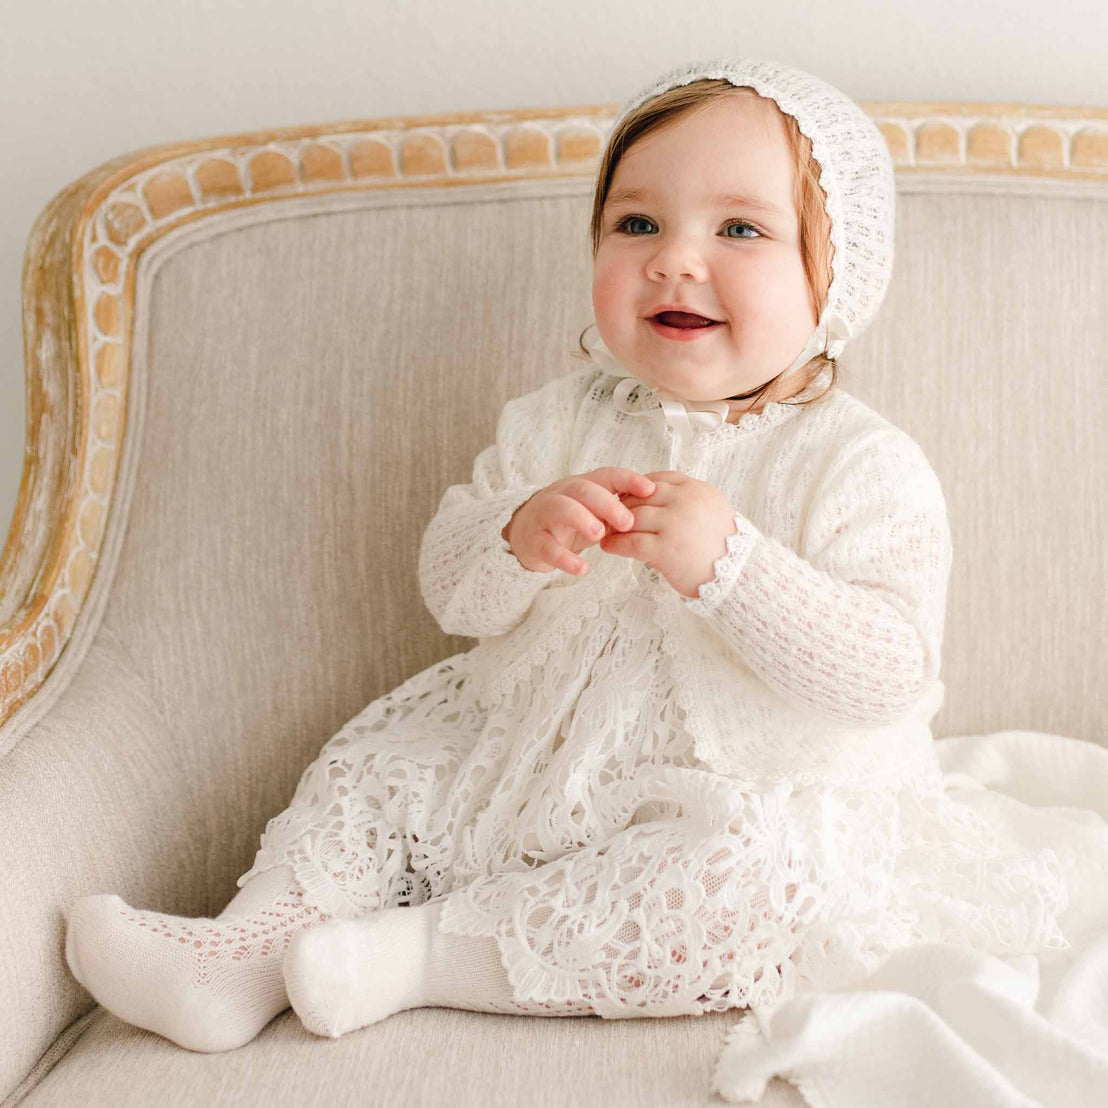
{"x": 470, "y": 580}
{"x": 853, "y": 630}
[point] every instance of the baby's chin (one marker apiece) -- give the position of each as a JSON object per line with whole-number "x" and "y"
{"x": 736, "y": 408}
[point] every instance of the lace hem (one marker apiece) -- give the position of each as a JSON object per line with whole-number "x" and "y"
{"x": 781, "y": 893}
{"x": 319, "y": 890}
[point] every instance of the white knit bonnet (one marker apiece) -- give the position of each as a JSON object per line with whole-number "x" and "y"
{"x": 856, "y": 174}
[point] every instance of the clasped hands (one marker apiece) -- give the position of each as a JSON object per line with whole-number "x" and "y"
{"x": 667, "y": 520}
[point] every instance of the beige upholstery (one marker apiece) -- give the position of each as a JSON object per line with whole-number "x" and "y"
{"x": 306, "y": 375}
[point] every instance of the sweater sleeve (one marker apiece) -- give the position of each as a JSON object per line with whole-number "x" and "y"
{"x": 853, "y": 629}
{"x": 469, "y": 578}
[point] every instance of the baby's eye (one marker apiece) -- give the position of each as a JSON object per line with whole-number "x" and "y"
{"x": 627, "y": 220}
{"x": 742, "y": 223}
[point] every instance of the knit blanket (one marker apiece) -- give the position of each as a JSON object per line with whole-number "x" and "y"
{"x": 936, "y": 1024}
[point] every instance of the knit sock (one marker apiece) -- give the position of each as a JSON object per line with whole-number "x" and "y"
{"x": 206, "y": 984}
{"x": 347, "y": 974}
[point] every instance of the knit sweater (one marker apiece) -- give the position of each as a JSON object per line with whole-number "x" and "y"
{"x": 811, "y": 656}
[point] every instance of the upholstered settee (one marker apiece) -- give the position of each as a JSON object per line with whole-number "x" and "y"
{"x": 254, "y": 363}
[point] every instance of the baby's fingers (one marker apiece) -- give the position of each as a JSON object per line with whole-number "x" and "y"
{"x": 592, "y": 504}
{"x": 575, "y": 511}
{"x": 553, "y": 553}
{"x": 619, "y": 480}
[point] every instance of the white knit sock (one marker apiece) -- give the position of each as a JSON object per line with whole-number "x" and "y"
{"x": 347, "y": 974}
{"x": 206, "y": 984}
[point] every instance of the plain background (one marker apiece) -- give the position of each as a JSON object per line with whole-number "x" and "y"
{"x": 82, "y": 81}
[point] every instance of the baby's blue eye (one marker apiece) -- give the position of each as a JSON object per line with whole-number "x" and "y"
{"x": 740, "y": 223}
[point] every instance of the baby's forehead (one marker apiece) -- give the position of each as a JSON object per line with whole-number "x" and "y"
{"x": 731, "y": 152}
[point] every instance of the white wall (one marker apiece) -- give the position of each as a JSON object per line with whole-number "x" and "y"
{"x": 82, "y": 81}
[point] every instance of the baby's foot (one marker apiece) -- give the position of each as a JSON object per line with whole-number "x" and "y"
{"x": 206, "y": 984}
{"x": 349, "y": 973}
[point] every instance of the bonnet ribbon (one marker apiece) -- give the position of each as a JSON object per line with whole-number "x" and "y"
{"x": 683, "y": 417}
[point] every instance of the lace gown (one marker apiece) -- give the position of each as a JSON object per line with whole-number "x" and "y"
{"x": 663, "y": 805}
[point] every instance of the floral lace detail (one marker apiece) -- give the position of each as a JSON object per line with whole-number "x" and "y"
{"x": 726, "y": 569}
{"x": 355, "y": 830}
{"x": 751, "y": 898}
{"x": 621, "y": 876}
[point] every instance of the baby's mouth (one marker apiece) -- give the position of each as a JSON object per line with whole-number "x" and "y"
{"x": 684, "y": 320}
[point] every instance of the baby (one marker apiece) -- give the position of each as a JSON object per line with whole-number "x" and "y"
{"x": 688, "y": 765}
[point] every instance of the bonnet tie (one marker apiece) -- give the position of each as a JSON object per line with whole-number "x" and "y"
{"x": 682, "y": 417}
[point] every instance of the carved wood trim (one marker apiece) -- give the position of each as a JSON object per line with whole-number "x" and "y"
{"x": 79, "y": 266}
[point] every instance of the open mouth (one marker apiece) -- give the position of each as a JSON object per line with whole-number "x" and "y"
{"x": 682, "y": 326}
{"x": 683, "y": 320}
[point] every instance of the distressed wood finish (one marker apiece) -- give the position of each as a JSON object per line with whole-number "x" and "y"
{"x": 79, "y": 265}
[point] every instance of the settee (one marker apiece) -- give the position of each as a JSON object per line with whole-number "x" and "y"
{"x": 254, "y": 363}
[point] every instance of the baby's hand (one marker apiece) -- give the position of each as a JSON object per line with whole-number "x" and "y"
{"x": 548, "y": 530}
{"x": 680, "y": 531}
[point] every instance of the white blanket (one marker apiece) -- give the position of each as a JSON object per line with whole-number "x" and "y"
{"x": 940, "y": 1025}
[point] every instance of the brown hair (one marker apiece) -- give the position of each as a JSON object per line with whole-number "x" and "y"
{"x": 814, "y": 223}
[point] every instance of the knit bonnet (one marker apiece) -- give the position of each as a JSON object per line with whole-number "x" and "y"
{"x": 856, "y": 175}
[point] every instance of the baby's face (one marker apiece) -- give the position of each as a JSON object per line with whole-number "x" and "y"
{"x": 673, "y": 245}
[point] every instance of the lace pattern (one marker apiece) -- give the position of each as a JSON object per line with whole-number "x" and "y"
{"x": 261, "y": 934}
{"x": 621, "y": 876}
{"x": 751, "y": 897}
{"x": 355, "y": 830}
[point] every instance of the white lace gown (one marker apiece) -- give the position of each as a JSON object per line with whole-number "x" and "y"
{"x": 663, "y": 805}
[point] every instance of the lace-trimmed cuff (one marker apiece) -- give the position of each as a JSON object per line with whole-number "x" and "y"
{"x": 725, "y": 570}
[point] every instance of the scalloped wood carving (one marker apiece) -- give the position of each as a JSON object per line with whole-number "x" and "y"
{"x": 81, "y": 254}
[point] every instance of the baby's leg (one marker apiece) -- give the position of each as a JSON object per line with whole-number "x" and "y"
{"x": 350, "y": 973}
{"x": 206, "y": 984}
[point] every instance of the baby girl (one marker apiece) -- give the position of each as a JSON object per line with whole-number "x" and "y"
{"x": 688, "y": 764}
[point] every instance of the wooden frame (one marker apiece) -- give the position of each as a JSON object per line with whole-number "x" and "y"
{"x": 81, "y": 256}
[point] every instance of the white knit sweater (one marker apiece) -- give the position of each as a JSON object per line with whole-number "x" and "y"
{"x": 811, "y": 657}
